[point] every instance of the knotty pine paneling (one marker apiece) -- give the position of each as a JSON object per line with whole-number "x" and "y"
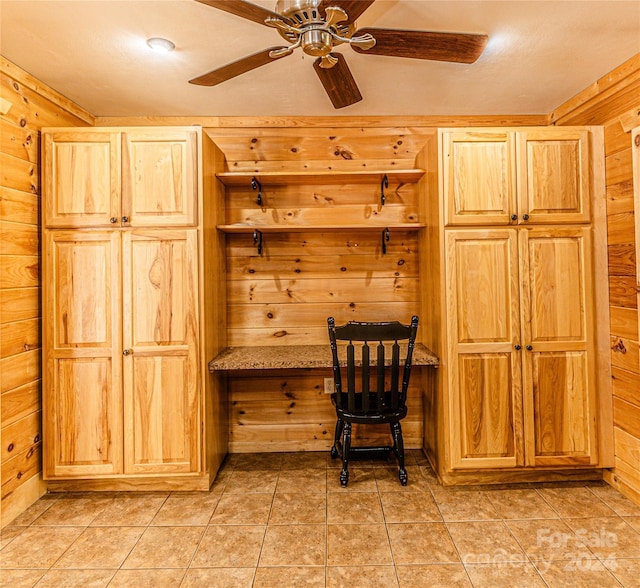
{"x": 607, "y": 102}
{"x": 32, "y": 105}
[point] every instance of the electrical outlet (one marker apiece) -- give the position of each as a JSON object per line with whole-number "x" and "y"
{"x": 329, "y": 386}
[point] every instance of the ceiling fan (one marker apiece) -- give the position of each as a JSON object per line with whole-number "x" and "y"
{"x": 317, "y": 26}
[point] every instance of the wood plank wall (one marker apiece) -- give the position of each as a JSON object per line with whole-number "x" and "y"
{"x": 614, "y": 101}
{"x": 26, "y": 105}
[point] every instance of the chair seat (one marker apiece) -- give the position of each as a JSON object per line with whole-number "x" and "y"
{"x": 376, "y": 415}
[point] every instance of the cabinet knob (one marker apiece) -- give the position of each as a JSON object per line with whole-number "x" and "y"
{"x": 525, "y": 217}
{"x": 113, "y": 220}
{"x": 529, "y": 348}
{"x": 514, "y": 217}
{"x": 125, "y": 219}
{"x": 127, "y": 352}
{"x": 517, "y": 347}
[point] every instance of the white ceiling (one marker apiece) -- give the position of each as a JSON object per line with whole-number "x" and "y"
{"x": 539, "y": 55}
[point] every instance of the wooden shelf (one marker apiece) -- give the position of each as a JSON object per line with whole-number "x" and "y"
{"x": 241, "y": 228}
{"x": 402, "y": 176}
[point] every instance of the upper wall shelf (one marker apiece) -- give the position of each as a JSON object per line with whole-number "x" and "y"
{"x": 401, "y": 176}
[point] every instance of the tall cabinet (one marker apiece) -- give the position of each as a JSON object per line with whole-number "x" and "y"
{"x": 123, "y": 372}
{"x": 514, "y": 274}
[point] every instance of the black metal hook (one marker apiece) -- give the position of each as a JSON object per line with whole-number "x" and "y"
{"x": 256, "y": 185}
{"x": 383, "y": 184}
{"x": 385, "y": 239}
{"x": 257, "y": 240}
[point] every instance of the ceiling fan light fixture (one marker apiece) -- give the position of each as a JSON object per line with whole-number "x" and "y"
{"x": 316, "y": 42}
{"x": 161, "y": 45}
{"x": 300, "y": 11}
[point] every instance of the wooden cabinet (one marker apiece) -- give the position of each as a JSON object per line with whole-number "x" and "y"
{"x": 137, "y": 178}
{"x": 527, "y": 176}
{"x": 123, "y": 378}
{"x": 522, "y": 334}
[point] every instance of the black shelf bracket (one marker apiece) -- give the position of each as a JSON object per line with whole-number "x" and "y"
{"x": 386, "y": 235}
{"x": 257, "y": 240}
{"x": 256, "y": 185}
{"x": 383, "y": 184}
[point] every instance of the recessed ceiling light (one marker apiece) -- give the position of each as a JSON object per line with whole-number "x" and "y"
{"x": 161, "y": 45}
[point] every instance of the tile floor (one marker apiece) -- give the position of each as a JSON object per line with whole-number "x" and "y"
{"x": 283, "y": 521}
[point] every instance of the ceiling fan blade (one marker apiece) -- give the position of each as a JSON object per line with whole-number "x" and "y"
{"x": 243, "y": 9}
{"x": 236, "y": 68}
{"x": 457, "y": 47}
{"x": 338, "y": 82}
{"x": 353, "y": 8}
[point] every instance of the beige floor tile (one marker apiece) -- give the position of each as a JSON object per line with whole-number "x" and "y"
{"x": 244, "y": 481}
{"x": 627, "y": 571}
{"x": 219, "y": 578}
{"x": 485, "y": 542}
{"x": 406, "y": 507}
{"x": 464, "y": 504}
{"x": 505, "y": 575}
{"x": 309, "y": 480}
{"x": 360, "y": 480}
{"x": 575, "y": 502}
{"x": 421, "y": 543}
{"x": 230, "y": 546}
{"x": 607, "y": 537}
{"x": 616, "y": 501}
{"x": 16, "y": 578}
{"x": 354, "y": 507}
{"x": 100, "y": 548}
{"x": 291, "y": 577}
{"x": 150, "y": 578}
{"x": 298, "y": 509}
{"x": 374, "y": 576}
{"x": 294, "y": 545}
{"x": 634, "y": 522}
{"x": 241, "y": 509}
{"x": 38, "y": 547}
{"x": 76, "y": 578}
{"x": 186, "y": 508}
{"x": 578, "y": 574}
{"x": 387, "y": 480}
{"x": 35, "y": 510}
{"x": 74, "y": 510}
{"x": 8, "y": 534}
{"x": 548, "y": 540}
{"x": 358, "y": 545}
{"x": 259, "y": 461}
{"x": 165, "y": 547}
{"x": 520, "y": 503}
{"x": 433, "y": 576}
{"x": 131, "y": 509}
{"x": 305, "y": 459}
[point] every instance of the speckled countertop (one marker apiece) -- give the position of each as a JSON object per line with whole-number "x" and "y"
{"x": 282, "y": 357}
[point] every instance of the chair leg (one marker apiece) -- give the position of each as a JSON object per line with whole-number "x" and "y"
{"x": 346, "y": 446}
{"x": 398, "y": 448}
{"x": 336, "y": 450}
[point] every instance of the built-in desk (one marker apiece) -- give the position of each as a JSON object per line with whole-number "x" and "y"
{"x": 281, "y": 357}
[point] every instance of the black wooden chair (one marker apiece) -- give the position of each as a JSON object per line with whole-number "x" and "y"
{"x": 377, "y": 396}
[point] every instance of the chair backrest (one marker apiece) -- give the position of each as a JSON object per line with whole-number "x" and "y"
{"x": 386, "y": 392}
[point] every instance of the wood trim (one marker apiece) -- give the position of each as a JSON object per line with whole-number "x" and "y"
{"x": 26, "y": 79}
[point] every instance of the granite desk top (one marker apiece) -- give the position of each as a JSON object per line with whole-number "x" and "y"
{"x": 281, "y": 357}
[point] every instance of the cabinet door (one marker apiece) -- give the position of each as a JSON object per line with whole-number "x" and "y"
{"x": 160, "y": 183}
{"x": 559, "y": 356}
{"x": 161, "y": 379}
{"x": 483, "y": 328}
{"x": 479, "y": 177}
{"x": 553, "y": 176}
{"x": 81, "y": 179}
{"x": 82, "y": 400}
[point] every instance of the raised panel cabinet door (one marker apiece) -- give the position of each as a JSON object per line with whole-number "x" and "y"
{"x": 553, "y": 176}
{"x": 162, "y": 398}
{"x": 483, "y": 330}
{"x": 160, "y": 182}
{"x": 81, "y": 178}
{"x": 82, "y": 396}
{"x": 560, "y": 397}
{"x": 478, "y": 177}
